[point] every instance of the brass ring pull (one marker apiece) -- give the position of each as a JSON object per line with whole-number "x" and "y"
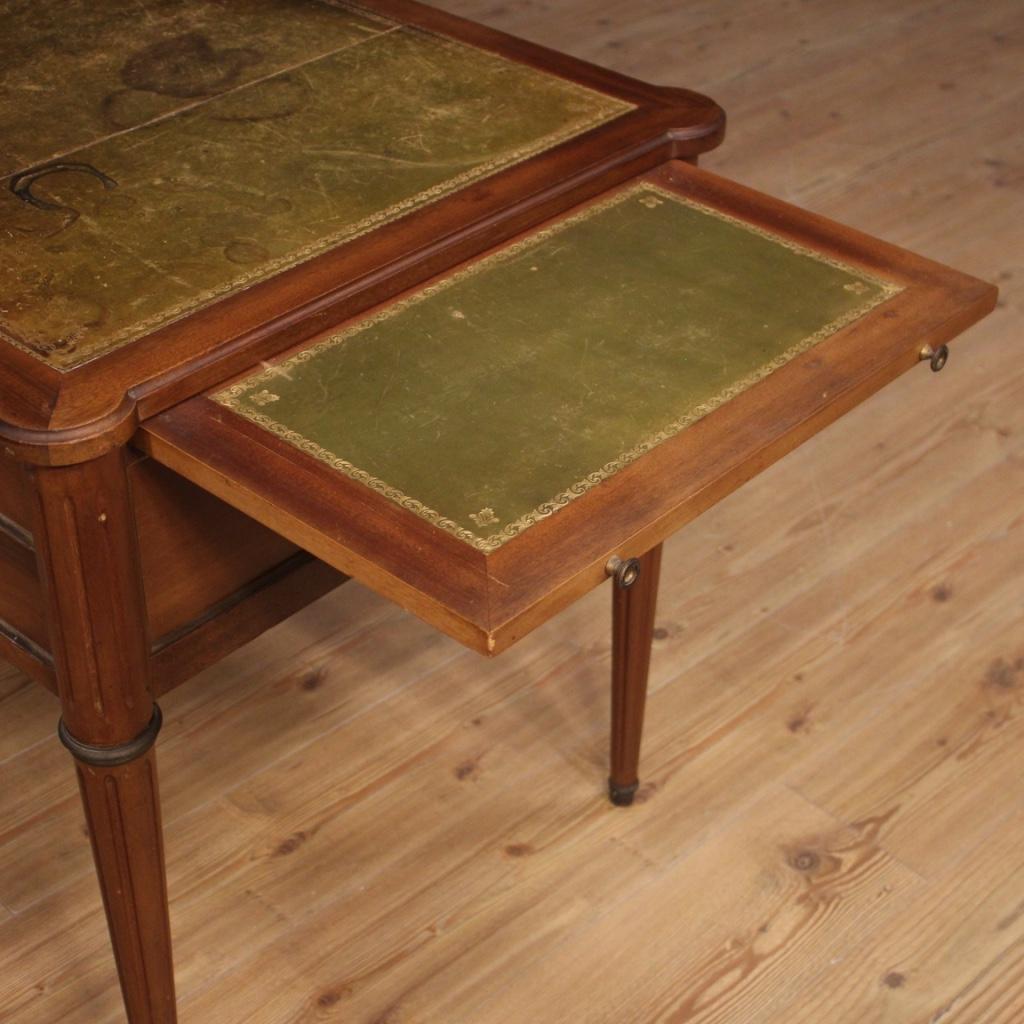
{"x": 937, "y": 357}
{"x": 625, "y": 572}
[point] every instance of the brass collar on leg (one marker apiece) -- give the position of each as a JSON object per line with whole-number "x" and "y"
{"x": 111, "y": 757}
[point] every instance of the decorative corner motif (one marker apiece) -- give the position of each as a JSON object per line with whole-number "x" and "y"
{"x": 485, "y": 517}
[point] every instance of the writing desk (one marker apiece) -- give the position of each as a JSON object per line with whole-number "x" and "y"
{"x": 319, "y": 292}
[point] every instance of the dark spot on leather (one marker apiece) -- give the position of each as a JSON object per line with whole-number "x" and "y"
{"x": 890, "y": 314}
{"x": 126, "y": 108}
{"x": 519, "y": 849}
{"x": 894, "y": 980}
{"x": 277, "y": 98}
{"x": 291, "y": 844}
{"x": 186, "y": 66}
{"x": 798, "y": 723}
{"x": 276, "y": 204}
{"x": 806, "y": 861}
{"x": 798, "y": 677}
{"x": 660, "y": 632}
{"x": 328, "y": 998}
{"x": 467, "y": 769}
{"x": 1001, "y": 675}
{"x": 241, "y": 251}
{"x": 477, "y": 721}
{"x": 942, "y": 593}
{"x": 942, "y": 742}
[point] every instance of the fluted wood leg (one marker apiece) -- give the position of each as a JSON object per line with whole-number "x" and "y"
{"x": 88, "y": 561}
{"x": 633, "y": 608}
{"x": 122, "y": 810}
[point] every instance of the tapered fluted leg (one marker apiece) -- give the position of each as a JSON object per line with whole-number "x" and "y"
{"x": 633, "y": 608}
{"x": 122, "y": 810}
{"x": 88, "y": 561}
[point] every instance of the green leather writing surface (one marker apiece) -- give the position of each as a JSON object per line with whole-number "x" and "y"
{"x": 154, "y": 163}
{"x": 75, "y": 71}
{"x": 493, "y": 398}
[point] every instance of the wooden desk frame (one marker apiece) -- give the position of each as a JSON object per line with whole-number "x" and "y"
{"x": 75, "y": 496}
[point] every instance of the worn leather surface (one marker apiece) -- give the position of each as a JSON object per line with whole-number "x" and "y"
{"x": 157, "y": 155}
{"x": 490, "y": 400}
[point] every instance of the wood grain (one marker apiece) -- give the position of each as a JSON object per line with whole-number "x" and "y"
{"x": 422, "y": 836}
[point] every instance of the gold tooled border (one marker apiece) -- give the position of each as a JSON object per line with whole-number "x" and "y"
{"x": 232, "y": 397}
{"x": 604, "y": 108}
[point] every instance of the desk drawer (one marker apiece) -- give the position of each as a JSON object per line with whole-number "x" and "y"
{"x": 21, "y": 597}
{"x": 196, "y": 550}
{"x": 15, "y": 499}
{"x": 478, "y": 448}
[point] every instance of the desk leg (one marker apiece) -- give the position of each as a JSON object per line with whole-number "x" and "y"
{"x": 633, "y": 605}
{"x": 89, "y": 564}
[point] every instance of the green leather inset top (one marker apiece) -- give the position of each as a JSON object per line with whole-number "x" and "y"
{"x": 159, "y": 155}
{"x": 491, "y": 399}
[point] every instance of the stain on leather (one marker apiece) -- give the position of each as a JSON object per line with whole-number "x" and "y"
{"x": 186, "y": 66}
{"x": 244, "y": 251}
{"x": 273, "y": 100}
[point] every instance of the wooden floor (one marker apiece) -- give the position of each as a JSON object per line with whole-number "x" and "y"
{"x": 367, "y": 824}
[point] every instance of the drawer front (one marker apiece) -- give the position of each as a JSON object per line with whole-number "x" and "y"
{"x": 21, "y": 596}
{"x": 15, "y": 498}
{"x": 196, "y": 550}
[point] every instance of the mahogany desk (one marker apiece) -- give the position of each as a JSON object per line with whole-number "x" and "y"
{"x": 315, "y": 292}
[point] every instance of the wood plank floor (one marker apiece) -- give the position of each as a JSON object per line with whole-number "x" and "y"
{"x": 368, "y": 825}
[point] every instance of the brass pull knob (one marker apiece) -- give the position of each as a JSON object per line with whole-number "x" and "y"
{"x": 937, "y": 357}
{"x": 625, "y": 572}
